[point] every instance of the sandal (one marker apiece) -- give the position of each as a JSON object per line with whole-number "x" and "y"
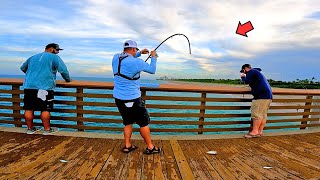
{"x": 259, "y": 135}
{"x": 153, "y": 150}
{"x": 129, "y": 149}
{"x": 251, "y": 136}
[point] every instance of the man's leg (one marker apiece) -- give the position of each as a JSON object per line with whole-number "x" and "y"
{"x": 127, "y": 132}
{"x": 28, "y": 116}
{"x": 261, "y": 127}
{"x": 256, "y": 125}
{"x": 145, "y": 133}
{"x": 265, "y": 114}
{"x": 45, "y": 118}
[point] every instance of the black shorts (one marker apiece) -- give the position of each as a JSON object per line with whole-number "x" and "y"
{"x": 32, "y": 102}
{"x": 135, "y": 114}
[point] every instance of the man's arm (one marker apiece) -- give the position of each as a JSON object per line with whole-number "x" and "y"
{"x": 24, "y": 66}
{"x": 62, "y": 69}
{"x": 247, "y": 79}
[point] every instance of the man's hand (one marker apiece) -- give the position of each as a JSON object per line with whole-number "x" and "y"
{"x": 242, "y": 75}
{"x": 153, "y": 53}
{"x": 144, "y": 51}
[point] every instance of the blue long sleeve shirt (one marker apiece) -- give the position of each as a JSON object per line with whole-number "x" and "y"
{"x": 125, "y": 89}
{"x": 41, "y": 71}
{"x": 260, "y": 88}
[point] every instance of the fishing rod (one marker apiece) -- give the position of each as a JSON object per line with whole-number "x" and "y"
{"x": 178, "y": 34}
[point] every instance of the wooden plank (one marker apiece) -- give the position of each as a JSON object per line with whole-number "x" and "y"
{"x": 170, "y": 167}
{"x": 5, "y": 91}
{"x": 175, "y": 98}
{"x": 292, "y": 126}
{"x": 199, "y": 164}
{"x": 11, "y": 99}
{"x": 183, "y": 165}
{"x": 52, "y": 168}
{"x": 11, "y": 107}
{"x": 136, "y": 162}
{"x": 34, "y": 160}
{"x": 147, "y": 168}
{"x": 167, "y": 106}
{"x": 250, "y": 156}
{"x": 228, "y": 100}
{"x": 269, "y": 114}
{"x": 90, "y": 161}
{"x": 72, "y": 94}
{"x": 87, "y": 95}
{"x": 114, "y": 165}
{"x": 290, "y": 161}
{"x": 159, "y": 173}
{"x": 174, "y": 114}
{"x": 310, "y": 160}
{"x": 289, "y": 100}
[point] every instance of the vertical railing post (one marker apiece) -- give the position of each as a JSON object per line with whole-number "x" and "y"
{"x": 16, "y": 106}
{"x": 143, "y": 94}
{"x": 79, "y": 108}
{"x": 316, "y": 103}
{"x": 202, "y": 112}
{"x": 306, "y": 110}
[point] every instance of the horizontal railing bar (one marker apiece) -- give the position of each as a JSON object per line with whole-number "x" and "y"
{"x": 72, "y": 94}
{"x": 164, "y": 106}
{"x": 6, "y": 91}
{"x": 228, "y": 100}
{"x": 173, "y": 98}
{"x": 11, "y": 99}
{"x": 292, "y": 120}
{"x": 174, "y": 114}
{"x": 96, "y": 95}
{"x": 294, "y": 100}
{"x": 292, "y": 126}
{"x": 269, "y": 114}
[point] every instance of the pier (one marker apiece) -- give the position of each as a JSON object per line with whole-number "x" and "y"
{"x": 215, "y": 119}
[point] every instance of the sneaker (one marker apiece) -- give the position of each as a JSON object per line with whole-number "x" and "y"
{"x": 33, "y": 130}
{"x": 51, "y": 131}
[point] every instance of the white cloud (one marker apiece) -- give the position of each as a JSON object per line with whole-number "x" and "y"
{"x": 209, "y": 25}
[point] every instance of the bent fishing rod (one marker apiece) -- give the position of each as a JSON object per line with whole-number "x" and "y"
{"x": 178, "y": 34}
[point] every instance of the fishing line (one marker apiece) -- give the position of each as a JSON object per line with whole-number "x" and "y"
{"x": 178, "y": 34}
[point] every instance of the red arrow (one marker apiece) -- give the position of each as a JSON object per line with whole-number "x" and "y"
{"x": 243, "y": 29}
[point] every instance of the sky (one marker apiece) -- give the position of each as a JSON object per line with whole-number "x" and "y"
{"x": 285, "y": 41}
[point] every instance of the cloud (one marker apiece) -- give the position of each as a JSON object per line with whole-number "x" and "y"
{"x": 91, "y": 31}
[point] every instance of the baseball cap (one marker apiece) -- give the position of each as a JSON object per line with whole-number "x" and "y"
{"x": 130, "y": 43}
{"x": 244, "y": 66}
{"x": 54, "y": 45}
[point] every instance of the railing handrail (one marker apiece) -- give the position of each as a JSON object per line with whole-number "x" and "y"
{"x": 224, "y": 89}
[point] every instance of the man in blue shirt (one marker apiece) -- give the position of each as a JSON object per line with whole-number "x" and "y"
{"x": 126, "y": 69}
{"x": 39, "y": 84}
{"x": 262, "y": 97}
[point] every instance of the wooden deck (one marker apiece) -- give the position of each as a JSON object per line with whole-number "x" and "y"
{"x": 39, "y": 157}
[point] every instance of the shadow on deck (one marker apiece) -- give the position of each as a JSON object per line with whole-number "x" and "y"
{"x": 274, "y": 157}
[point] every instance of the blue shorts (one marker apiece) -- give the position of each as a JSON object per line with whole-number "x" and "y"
{"x": 133, "y": 111}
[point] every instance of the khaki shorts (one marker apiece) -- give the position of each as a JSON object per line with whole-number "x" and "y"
{"x": 259, "y": 108}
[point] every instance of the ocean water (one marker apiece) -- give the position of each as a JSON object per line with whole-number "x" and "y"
{"x": 147, "y": 83}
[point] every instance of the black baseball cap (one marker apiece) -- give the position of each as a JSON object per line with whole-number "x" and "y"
{"x": 244, "y": 66}
{"x": 53, "y": 45}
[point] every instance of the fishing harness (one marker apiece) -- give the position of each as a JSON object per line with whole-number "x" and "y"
{"x": 121, "y": 58}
